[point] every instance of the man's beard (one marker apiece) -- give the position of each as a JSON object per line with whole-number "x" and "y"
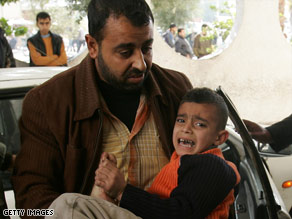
{"x": 120, "y": 84}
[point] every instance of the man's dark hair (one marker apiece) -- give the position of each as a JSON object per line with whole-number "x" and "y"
{"x": 204, "y": 26}
{"x": 206, "y": 95}
{"x": 137, "y": 11}
{"x": 180, "y": 30}
{"x": 42, "y": 15}
{"x": 172, "y": 25}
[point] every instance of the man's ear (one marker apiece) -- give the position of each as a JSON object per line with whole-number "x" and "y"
{"x": 222, "y": 137}
{"x": 92, "y": 46}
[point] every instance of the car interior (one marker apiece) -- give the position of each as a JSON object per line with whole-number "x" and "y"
{"x": 248, "y": 201}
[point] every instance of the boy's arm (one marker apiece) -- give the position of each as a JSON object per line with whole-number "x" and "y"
{"x": 204, "y": 181}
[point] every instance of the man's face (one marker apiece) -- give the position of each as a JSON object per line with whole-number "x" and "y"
{"x": 182, "y": 33}
{"x": 44, "y": 25}
{"x": 204, "y": 31}
{"x": 124, "y": 56}
{"x": 196, "y": 128}
{"x": 173, "y": 30}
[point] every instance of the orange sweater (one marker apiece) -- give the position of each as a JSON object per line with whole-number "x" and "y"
{"x": 50, "y": 59}
{"x": 166, "y": 181}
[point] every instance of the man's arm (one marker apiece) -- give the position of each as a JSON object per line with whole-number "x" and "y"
{"x": 48, "y": 60}
{"x": 10, "y": 61}
{"x": 62, "y": 59}
{"x": 278, "y": 135}
{"x": 281, "y": 133}
{"x": 196, "y": 46}
{"x": 38, "y": 172}
{"x": 168, "y": 40}
{"x": 38, "y": 59}
{"x": 180, "y": 47}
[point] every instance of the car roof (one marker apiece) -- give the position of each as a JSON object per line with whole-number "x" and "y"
{"x": 27, "y": 76}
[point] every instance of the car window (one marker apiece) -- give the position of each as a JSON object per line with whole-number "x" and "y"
{"x": 267, "y": 149}
{"x": 10, "y": 111}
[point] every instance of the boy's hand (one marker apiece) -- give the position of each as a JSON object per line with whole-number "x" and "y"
{"x": 109, "y": 177}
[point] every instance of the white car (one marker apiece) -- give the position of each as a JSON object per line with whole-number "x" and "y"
{"x": 257, "y": 195}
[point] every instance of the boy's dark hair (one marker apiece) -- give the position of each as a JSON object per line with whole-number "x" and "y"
{"x": 206, "y": 95}
{"x": 137, "y": 11}
{"x": 42, "y": 15}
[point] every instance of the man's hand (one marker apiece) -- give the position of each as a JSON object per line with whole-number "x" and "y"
{"x": 109, "y": 177}
{"x": 258, "y": 133}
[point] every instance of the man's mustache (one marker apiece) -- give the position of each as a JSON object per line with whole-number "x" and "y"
{"x": 134, "y": 73}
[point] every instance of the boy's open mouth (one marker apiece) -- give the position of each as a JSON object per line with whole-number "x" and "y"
{"x": 186, "y": 143}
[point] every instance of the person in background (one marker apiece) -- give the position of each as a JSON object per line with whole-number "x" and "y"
{"x": 202, "y": 46}
{"x": 45, "y": 47}
{"x": 6, "y": 56}
{"x": 116, "y": 100}
{"x": 169, "y": 35}
{"x": 182, "y": 45}
{"x": 278, "y": 135}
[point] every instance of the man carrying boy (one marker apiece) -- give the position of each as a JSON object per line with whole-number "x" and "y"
{"x": 45, "y": 47}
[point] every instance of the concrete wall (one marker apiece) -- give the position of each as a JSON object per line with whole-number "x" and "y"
{"x": 255, "y": 70}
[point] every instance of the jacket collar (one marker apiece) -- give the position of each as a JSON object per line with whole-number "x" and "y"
{"x": 87, "y": 91}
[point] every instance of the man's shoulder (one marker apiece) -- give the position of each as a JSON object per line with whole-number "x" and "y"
{"x": 33, "y": 37}
{"x": 55, "y": 35}
{"x": 198, "y": 36}
{"x": 65, "y": 82}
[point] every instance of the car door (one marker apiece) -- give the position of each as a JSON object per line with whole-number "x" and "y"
{"x": 268, "y": 206}
{"x": 280, "y": 168}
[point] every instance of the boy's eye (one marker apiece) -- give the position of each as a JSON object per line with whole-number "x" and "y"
{"x": 200, "y": 124}
{"x": 180, "y": 120}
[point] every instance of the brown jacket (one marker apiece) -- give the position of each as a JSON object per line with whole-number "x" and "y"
{"x": 61, "y": 127}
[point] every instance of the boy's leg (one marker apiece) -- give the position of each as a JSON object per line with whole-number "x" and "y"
{"x": 78, "y": 206}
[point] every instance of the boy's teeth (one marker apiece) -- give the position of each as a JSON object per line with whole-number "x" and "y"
{"x": 186, "y": 143}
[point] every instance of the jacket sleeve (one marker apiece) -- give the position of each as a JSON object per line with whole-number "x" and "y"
{"x": 204, "y": 181}
{"x": 196, "y": 47}
{"x": 39, "y": 162}
{"x": 9, "y": 59}
{"x": 281, "y": 133}
{"x": 180, "y": 47}
{"x": 62, "y": 58}
{"x": 48, "y": 60}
